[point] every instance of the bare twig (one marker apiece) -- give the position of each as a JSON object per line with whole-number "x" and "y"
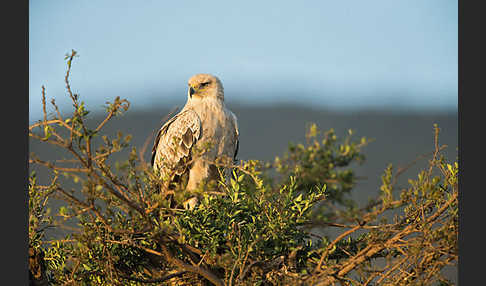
{"x": 154, "y": 280}
{"x": 190, "y": 268}
{"x": 328, "y": 248}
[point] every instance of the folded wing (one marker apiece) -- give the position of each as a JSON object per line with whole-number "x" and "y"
{"x": 174, "y": 141}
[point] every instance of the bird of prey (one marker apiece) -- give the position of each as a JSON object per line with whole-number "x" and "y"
{"x": 203, "y": 121}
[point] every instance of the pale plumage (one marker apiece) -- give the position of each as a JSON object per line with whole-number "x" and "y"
{"x": 203, "y": 120}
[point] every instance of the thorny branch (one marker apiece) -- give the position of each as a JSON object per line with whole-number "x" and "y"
{"x": 136, "y": 221}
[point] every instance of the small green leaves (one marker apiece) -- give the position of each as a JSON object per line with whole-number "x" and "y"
{"x": 47, "y": 132}
{"x": 298, "y": 198}
{"x": 387, "y": 187}
{"x": 313, "y": 131}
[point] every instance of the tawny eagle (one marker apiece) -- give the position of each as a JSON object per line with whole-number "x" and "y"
{"x": 203, "y": 122}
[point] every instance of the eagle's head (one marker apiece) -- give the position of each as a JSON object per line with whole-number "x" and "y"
{"x": 205, "y": 86}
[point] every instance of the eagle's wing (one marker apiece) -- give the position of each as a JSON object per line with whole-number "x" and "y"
{"x": 174, "y": 141}
{"x": 237, "y": 136}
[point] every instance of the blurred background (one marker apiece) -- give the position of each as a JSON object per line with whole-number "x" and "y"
{"x": 386, "y": 69}
{"x": 327, "y": 54}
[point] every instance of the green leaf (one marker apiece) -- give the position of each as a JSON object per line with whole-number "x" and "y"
{"x": 298, "y": 198}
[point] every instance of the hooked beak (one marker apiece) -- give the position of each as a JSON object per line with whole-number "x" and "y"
{"x": 191, "y": 91}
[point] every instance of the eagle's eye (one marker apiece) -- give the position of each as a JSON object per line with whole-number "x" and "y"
{"x": 204, "y": 84}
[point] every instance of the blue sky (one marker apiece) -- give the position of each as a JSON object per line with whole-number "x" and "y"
{"x": 334, "y": 54}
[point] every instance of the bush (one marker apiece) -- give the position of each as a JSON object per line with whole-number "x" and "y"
{"x": 258, "y": 229}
